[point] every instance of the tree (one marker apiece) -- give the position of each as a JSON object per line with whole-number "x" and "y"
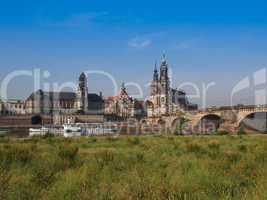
{"x": 180, "y": 126}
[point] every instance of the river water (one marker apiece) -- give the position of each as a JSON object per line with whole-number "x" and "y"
{"x": 20, "y": 133}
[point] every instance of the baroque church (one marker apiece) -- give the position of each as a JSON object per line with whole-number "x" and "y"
{"x": 163, "y": 99}
{"x": 123, "y": 106}
{"x": 82, "y": 102}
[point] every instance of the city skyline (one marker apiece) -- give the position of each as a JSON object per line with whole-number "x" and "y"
{"x": 204, "y": 42}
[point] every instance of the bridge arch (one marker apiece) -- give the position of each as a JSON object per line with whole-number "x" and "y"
{"x": 162, "y": 125}
{"x": 144, "y": 126}
{"x": 253, "y": 121}
{"x": 209, "y": 123}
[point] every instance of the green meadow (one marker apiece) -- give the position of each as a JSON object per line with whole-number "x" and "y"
{"x": 129, "y": 168}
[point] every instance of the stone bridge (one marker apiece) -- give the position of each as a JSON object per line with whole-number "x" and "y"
{"x": 222, "y": 118}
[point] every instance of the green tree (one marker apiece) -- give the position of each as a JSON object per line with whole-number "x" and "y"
{"x": 181, "y": 124}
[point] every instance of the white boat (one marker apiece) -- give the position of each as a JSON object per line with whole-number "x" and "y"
{"x": 38, "y": 131}
{"x": 86, "y": 129}
{"x": 72, "y": 130}
{"x": 109, "y": 131}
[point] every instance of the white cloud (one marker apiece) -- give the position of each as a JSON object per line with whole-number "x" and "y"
{"x": 139, "y": 43}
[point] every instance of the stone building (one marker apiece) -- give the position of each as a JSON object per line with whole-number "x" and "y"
{"x": 163, "y": 99}
{"x": 12, "y": 107}
{"x": 123, "y": 105}
{"x": 81, "y": 102}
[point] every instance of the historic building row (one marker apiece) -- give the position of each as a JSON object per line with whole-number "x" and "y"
{"x": 163, "y": 100}
{"x": 53, "y": 103}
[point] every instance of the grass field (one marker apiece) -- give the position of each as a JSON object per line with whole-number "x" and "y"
{"x": 125, "y": 168}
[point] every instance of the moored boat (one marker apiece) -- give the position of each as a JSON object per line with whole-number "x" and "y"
{"x": 38, "y": 131}
{"x": 72, "y": 130}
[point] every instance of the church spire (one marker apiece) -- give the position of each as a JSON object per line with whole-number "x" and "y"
{"x": 163, "y": 59}
{"x": 155, "y": 68}
{"x": 123, "y": 85}
{"x": 156, "y": 75}
{"x": 123, "y": 88}
{"x": 163, "y": 68}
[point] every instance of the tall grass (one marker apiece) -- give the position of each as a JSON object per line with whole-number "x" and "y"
{"x": 156, "y": 168}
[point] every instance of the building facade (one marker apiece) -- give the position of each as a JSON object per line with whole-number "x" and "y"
{"x": 81, "y": 102}
{"x": 123, "y": 105}
{"x": 12, "y": 107}
{"x": 163, "y": 99}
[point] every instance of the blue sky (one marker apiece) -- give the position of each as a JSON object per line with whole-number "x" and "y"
{"x": 205, "y": 41}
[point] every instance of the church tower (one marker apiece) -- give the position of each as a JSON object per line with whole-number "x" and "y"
{"x": 164, "y": 86}
{"x": 82, "y": 94}
{"x": 155, "y": 92}
{"x": 154, "y": 87}
{"x": 164, "y": 78}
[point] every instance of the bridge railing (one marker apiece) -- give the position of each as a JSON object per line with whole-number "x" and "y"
{"x": 235, "y": 108}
